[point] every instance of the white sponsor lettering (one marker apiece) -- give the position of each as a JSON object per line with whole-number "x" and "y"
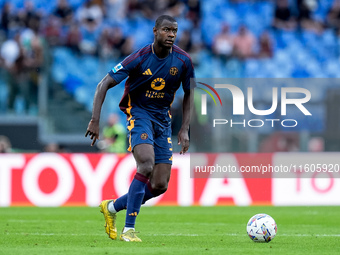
{"x": 94, "y": 178}
{"x": 8, "y": 162}
{"x": 30, "y": 180}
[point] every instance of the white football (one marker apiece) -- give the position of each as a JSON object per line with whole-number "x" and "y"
{"x": 261, "y": 228}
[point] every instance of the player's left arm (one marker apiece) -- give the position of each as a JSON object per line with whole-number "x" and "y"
{"x": 183, "y": 134}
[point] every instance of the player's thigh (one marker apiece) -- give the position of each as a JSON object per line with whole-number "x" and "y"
{"x": 144, "y": 155}
{"x": 163, "y": 146}
{"x": 140, "y": 131}
{"x": 141, "y": 143}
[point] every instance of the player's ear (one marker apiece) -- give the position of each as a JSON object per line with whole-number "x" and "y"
{"x": 155, "y": 31}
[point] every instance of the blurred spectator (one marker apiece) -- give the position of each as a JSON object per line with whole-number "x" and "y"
{"x": 30, "y": 16}
{"x": 305, "y": 19}
{"x": 244, "y": 43}
{"x": 148, "y": 8}
{"x": 5, "y": 144}
{"x": 113, "y": 43}
{"x": 12, "y": 20}
{"x": 316, "y": 144}
{"x": 152, "y": 8}
{"x": 115, "y": 10}
{"x": 74, "y": 37}
{"x": 13, "y": 62}
{"x": 52, "y": 31}
{"x": 124, "y": 45}
{"x": 6, "y": 17}
{"x": 90, "y": 14}
{"x": 223, "y": 43}
{"x": 114, "y": 136}
{"x": 106, "y": 49}
{"x": 185, "y": 41}
{"x": 175, "y": 8}
{"x": 52, "y": 147}
{"x": 89, "y": 38}
{"x": 64, "y": 12}
{"x": 333, "y": 16}
{"x": 33, "y": 63}
{"x": 280, "y": 142}
{"x": 265, "y": 46}
{"x": 133, "y": 7}
{"x": 283, "y": 18}
{"x": 194, "y": 11}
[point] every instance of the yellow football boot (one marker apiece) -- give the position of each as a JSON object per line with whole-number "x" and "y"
{"x": 110, "y": 219}
{"x": 130, "y": 236}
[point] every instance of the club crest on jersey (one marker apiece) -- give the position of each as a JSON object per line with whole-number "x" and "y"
{"x": 117, "y": 68}
{"x": 144, "y": 136}
{"x": 173, "y": 70}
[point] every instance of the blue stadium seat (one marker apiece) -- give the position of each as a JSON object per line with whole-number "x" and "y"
{"x": 18, "y": 3}
{"x": 252, "y": 67}
{"x": 72, "y": 82}
{"x": 285, "y": 38}
{"x": 243, "y": 9}
{"x": 76, "y": 3}
{"x": 315, "y": 69}
{"x": 46, "y": 6}
{"x": 82, "y": 95}
{"x": 300, "y": 72}
{"x": 89, "y": 64}
{"x": 210, "y": 28}
{"x": 59, "y": 72}
{"x": 232, "y": 18}
{"x": 254, "y": 23}
{"x": 266, "y": 11}
{"x": 332, "y": 68}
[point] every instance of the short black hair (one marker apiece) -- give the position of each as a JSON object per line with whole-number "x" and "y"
{"x": 160, "y": 19}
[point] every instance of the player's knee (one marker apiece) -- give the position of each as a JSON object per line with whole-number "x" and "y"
{"x": 159, "y": 188}
{"x": 145, "y": 167}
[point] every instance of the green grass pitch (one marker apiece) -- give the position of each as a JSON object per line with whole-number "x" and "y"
{"x": 169, "y": 230}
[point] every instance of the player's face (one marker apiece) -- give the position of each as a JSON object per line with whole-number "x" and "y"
{"x": 166, "y": 34}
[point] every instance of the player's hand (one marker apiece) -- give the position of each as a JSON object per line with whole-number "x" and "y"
{"x": 93, "y": 131}
{"x": 183, "y": 139}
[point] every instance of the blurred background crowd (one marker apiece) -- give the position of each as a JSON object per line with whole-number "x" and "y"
{"x": 53, "y": 54}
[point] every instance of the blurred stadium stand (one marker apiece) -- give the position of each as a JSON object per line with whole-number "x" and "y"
{"x": 71, "y": 75}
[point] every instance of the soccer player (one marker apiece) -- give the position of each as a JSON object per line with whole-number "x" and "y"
{"x": 155, "y": 73}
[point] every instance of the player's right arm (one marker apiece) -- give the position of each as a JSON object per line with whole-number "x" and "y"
{"x": 103, "y": 86}
{"x": 114, "y": 77}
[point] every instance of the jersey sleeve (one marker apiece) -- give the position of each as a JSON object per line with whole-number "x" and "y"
{"x": 190, "y": 73}
{"x": 124, "y": 68}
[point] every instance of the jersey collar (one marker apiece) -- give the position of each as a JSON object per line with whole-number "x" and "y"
{"x": 153, "y": 52}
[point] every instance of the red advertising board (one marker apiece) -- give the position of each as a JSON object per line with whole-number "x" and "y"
{"x": 49, "y": 179}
